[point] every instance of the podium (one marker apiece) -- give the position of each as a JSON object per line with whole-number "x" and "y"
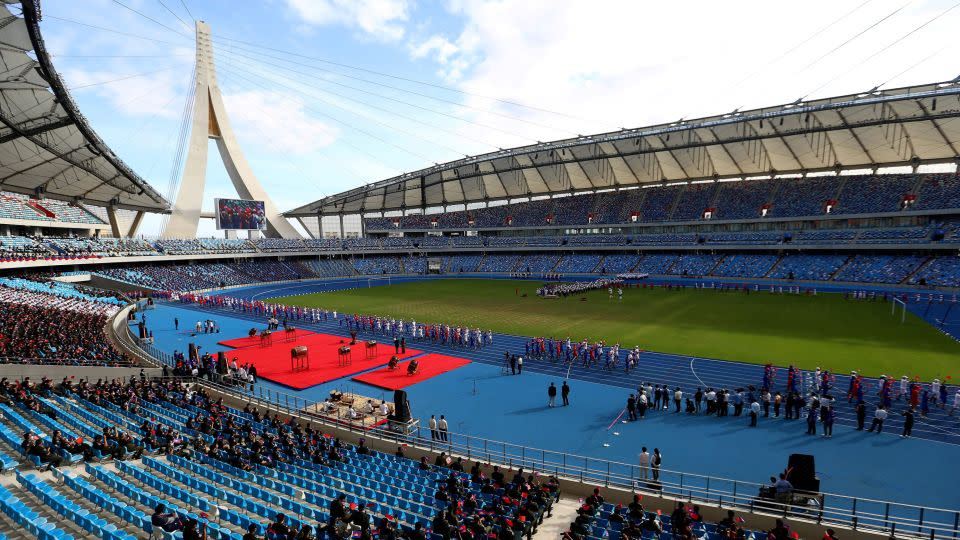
{"x": 344, "y": 356}
{"x": 299, "y": 358}
{"x": 371, "y": 349}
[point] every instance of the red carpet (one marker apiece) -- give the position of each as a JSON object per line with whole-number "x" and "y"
{"x": 273, "y": 363}
{"x": 278, "y": 337}
{"x": 431, "y": 365}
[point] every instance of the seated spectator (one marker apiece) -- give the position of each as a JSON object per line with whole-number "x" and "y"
{"x": 166, "y": 520}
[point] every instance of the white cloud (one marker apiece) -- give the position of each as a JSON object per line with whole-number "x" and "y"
{"x": 279, "y": 116}
{"x": 628, "y": 63}
{"x": 453, "y": 62}
{"x": 381, "y": 19}
{"x": 158, "y": 94}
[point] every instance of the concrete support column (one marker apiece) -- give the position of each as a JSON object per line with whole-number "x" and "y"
{"x": 341, "y": 227}
{"x": 114, "y": 223}
{"x": 135, "y": 226}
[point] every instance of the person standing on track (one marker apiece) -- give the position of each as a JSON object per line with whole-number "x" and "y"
{"x": 878, "y": 417}
{"x": 655, "y": 463}
{"x": 644, "y": 463}
{"x": 565, "y": 393}
{"x": 442, "y": 427}
{"x": 433, "y": 428}
{"x": 552, "y": 395}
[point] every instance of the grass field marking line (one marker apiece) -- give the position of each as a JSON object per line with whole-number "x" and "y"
{"x": 695, "y": 372}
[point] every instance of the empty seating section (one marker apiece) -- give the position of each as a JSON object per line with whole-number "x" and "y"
{"x": 658, "y": 263}
{"x": 664, "y": 239}
{"x": 869, "y": 194}
{"x": 396, "y": 242}
{"x": 938, "y": 191}
{"x": 742, "y": 200}
{"x": 942, "y": 271}
{"x": 573, "y": 210}
{"x": 694, "y": 264}
{"x": 808, "y": 267}
{"x": 462, "y": 263}
{"x": 492, "y": 216}
{"x": 619, "y": 207}
{"x": 466, "y": 241}
{"x": 498, "y": 263}
{"x": 432, "y": 241}
{"x": 323, "y": 244}
{"x": 536, "y": 263}
{"x": 356, "y": 244}
{"x": 329, "y": 267}
{"x": 803, "y": 196}
{"x": 827, "y": 236}
{"x": 581, "y": 263}
{"x": 900, "y": 235}
{"x": 615, "y": 263}
{"x": 597, "y": 240}
{"x": 374, "y": 265}
{"x": 879, "y": 268}
{"x": 745, "y": 265}
{"x": 658, "y": 203}
{"x": 415, "y": 265}
{"x": 755, "y": 238}
{"x": 530, "y": 214}
{"x": 693, "y": 201}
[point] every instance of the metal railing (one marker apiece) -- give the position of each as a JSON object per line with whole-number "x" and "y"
{"x": 829, "y": 509}
{"x": 858, "y": 513}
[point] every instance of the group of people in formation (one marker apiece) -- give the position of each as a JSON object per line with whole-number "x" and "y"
{"x": 814, "y": 402}
{"x": 589, "y": 354}
{"x": 443, "y": 334}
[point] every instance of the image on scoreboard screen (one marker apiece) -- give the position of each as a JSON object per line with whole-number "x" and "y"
{"x": 240, "y": 214}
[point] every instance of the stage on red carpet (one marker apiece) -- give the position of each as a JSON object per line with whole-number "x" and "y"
{"x": 430, "y": 366}
{"x": 273, "y": 362}
{"x": 278, "y": 336}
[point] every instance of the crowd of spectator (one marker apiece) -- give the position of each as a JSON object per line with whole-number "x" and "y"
{"x": 55, "y": 323}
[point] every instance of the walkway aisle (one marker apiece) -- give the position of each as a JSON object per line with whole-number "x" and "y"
{"x": 564, "y": 512}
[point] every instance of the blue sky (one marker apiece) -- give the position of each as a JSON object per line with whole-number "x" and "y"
{"x": 326, "y": 95}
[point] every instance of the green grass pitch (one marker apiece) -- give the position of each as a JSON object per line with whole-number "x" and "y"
{"x": 825, "y": 330}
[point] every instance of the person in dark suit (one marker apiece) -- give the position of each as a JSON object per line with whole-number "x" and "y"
{"x": 565, "y": 393}
{"x": 861, "y": 415}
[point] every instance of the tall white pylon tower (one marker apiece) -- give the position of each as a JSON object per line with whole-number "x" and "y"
{"x": 210, "y": 121}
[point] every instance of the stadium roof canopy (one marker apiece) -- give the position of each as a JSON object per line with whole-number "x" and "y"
{"x": 878, "y": 128}
{"x": 46, "y": 145}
